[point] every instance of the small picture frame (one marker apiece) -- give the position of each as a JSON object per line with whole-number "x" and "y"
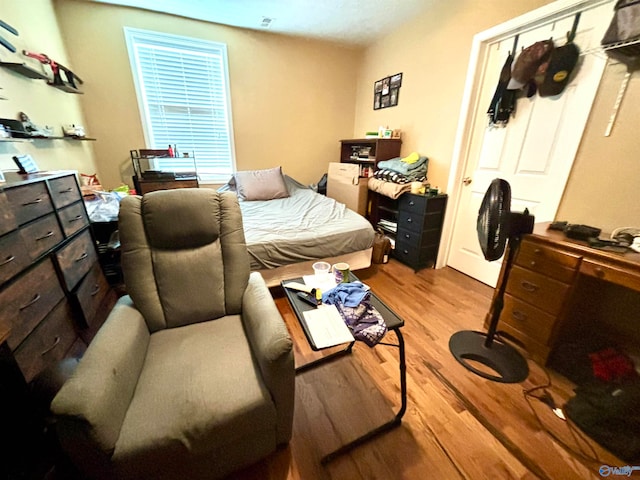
{"x": 377, "y": 87}
{"x": 384, "y": 101}
{"x": 385, "y": 86}
{"x": 395, "y": 80}
{"x": 386, "y": 91}
{"x": 26, "y": 164}
{"x": 394, "y": 93}
{"x": 376, "y": 101}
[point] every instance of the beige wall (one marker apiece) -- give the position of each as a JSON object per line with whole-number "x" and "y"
{"x": 432, "y": 52}
{"x": 292, "y": 99}
{"x": 38, "y": 31}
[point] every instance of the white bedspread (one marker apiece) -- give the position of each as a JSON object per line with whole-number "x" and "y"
{"x": 302, "y": 227}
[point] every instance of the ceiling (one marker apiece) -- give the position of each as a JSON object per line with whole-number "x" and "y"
{"x": 351, "y": 22}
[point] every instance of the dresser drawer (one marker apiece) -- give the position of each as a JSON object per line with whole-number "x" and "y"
{"x": 64, "y": 191}
{"x": 7, "y": 218}
{"x": 548, "y": 261}
{"x": 415, "y": 257}
{"x": 91, "y": 293}
{"x": 13, "y": 256}
{"x": 29, "y": 201}
{"x": 73, "y": 218}
{"x": 528, "y": 319}
{"x": 48, "y": 343}
{"x": 24, "y": 303}
{"x": 417, "y": 223}
{"x": 420, "y": 239}
{"x": 538, "y": 351}
{"x": 76, "y": 259}
{"x": 412, "y": 203}
{"x": 42, "y": 235}
{"x": 539, "y": 290}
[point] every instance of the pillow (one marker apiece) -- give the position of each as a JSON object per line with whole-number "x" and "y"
{"x": 260, "y": 184}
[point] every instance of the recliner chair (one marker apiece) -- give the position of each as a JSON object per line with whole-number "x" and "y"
{"x": 192, "y": 375}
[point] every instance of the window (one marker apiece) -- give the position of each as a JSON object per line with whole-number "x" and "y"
{"x": 183, "y": 93}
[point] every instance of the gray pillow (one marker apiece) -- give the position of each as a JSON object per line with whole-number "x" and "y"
{"x": 260, "y": 184}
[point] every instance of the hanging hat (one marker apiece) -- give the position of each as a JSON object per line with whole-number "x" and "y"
{"x": 528, "y": 62}
{"x": 563, "y": 61}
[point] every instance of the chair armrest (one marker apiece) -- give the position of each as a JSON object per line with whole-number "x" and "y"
{"x": 91, "y": 406}
{"x": 272, "y": 348}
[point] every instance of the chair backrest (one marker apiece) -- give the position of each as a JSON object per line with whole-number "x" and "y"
{"x": 184, "y": 255}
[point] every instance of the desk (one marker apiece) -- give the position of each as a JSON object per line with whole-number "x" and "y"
{"x": 393, "y": 322}
{"x": 550, "y": 278}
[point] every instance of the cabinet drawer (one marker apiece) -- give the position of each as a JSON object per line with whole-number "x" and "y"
{"x": 548, "y": 261}
{"x": 73, "y": 218}
{"x": 91, "y": 292}
{"x": 538, "y": 351}
{"x": 418, "y": 240}
{"x": 528, "y": 319}
{"x": 24, "y": 303}
{"x": 417, "y": 223}
{"x": 48, "y": 343}
{"x": 42, "y": 235}
{"x": 76, "y": 259}
{"x": 64, "y": 191}
{"x": 7, "y": 218}
{"x": 13, "y": 256}
{"x": 29, "y": 201}
{"x": 412, "y": 203}
{"x": 539, "y": 290}
{"x": 415, "y": 257}
{"x": 611, "y": 273}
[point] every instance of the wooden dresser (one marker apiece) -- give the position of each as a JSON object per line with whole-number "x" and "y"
{"x": 549, "y": 273}
{"x": 53, "y": 294}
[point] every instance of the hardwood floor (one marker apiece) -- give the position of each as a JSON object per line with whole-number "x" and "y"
{"x": 457, "y": 426}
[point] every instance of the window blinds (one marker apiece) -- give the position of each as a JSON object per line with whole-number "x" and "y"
{"x": 183, "y": 93}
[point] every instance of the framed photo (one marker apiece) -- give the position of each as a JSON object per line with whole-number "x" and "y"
{"x": 376, "y": 100}
{"x": 393, "y": 96}
{"x": 385, "y": 86}
{"x": 377, "y": 87}
{"x": 384, "y": 101}
{"x": 396, "y": 80}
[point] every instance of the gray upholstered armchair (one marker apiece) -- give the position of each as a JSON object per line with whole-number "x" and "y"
{"x": 192, "y": 374}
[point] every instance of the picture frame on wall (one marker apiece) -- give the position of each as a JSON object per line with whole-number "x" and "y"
{"x": 386, "y": 91}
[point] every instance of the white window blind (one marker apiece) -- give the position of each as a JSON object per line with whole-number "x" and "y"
{"x": 183, "y": 93}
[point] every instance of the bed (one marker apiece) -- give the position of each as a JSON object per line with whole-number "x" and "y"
{"x": 285, "y": 236}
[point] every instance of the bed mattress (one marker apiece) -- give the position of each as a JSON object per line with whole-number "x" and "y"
{"x": 305, "y": 226}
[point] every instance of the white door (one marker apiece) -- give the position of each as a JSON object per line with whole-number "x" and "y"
{"x": 535, "y": 150}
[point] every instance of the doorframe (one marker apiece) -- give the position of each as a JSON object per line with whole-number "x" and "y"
{"x": 470, "y": 102}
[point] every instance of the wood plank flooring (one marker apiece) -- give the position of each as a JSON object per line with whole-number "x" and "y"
{"x": 457, "y": 425}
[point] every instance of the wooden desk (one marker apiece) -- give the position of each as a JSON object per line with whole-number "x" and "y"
{"x": 558, "y": 287}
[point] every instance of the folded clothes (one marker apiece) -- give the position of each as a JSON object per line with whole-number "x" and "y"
{"x": 397, "y": 165}
{"x": 396, "y": 177}
{"x": 388, "y": 189}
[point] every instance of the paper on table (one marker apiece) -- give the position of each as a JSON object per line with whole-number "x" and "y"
{"x": 326, "y": 326}
{"x": 323, "y": 285}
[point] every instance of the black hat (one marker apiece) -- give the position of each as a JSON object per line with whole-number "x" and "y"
{"x": 561, "y": 64}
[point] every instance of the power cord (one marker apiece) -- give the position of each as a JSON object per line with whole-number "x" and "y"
{"x": 546, "y": 398}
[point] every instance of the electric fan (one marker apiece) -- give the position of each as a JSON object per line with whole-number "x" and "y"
{"x": 497, "y": 227}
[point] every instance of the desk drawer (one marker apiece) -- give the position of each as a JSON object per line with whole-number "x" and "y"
{"x": 610, "y": 273}
{"x": 528, "y": 319}
{"x": 13, "y": 256}
{"x": 73, "y": 218}
{"x": 539, "y": 290}
{"x": 7, "y": 218}
{"x": 29, "y": 201}
{"x": 538, "y": 351}
{"x": 548, "y": 261}
{"x": 64, "y": 191}
{"x": 48, "y": 343}
{"x": 42, "y": 235}
{"x": 24, "y": 303}
{"x": 76, "y": 259}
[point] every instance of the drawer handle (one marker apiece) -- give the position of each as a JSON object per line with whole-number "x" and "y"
{"x": 9, "y": 259}
{"x": 537, "y": 251}
{"x": 96, "y": 289}
{"x": 82, "y": 257}
{"x": 533, "y": 263}
{"x": 411, "y": 203}
{"x": 407, "y": 236}
{"x": 66, "y": 190}
{"x": 45, "y": 236}
{"x": 56, "y": 341}
{"x": 409, "y": 220}
{"x": 406, "y": 252}
{"x": 32, "y": 202}
{"x": 528, "y": 286}
{"x": 35, "y": 298}
{"x": 599, "y": 272}
{"x": 519, "y": 316}
{"x": 76, "y": 218}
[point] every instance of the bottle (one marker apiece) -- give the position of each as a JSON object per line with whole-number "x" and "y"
{"x": 175, "y": 151}
{"x": 170, "y": 149}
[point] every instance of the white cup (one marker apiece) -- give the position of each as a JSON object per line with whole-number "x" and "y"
{"x": 322, "y": 271}
{"x": 415, "y": 187}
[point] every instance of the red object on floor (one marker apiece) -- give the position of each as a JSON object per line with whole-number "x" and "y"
{"x": 611, "y": 365}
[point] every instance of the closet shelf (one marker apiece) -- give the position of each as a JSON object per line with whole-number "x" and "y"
{"x": 611, "y": 46}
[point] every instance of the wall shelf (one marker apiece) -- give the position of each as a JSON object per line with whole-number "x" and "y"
{"x": 24, "y": 70}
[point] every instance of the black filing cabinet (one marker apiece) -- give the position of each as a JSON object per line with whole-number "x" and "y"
{"x": 420, "y": 220}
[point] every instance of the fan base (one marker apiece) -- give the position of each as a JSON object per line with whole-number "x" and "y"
{"x": 502, "y": 358}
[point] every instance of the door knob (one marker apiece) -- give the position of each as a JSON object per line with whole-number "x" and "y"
{"x": 467, "y": 181}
